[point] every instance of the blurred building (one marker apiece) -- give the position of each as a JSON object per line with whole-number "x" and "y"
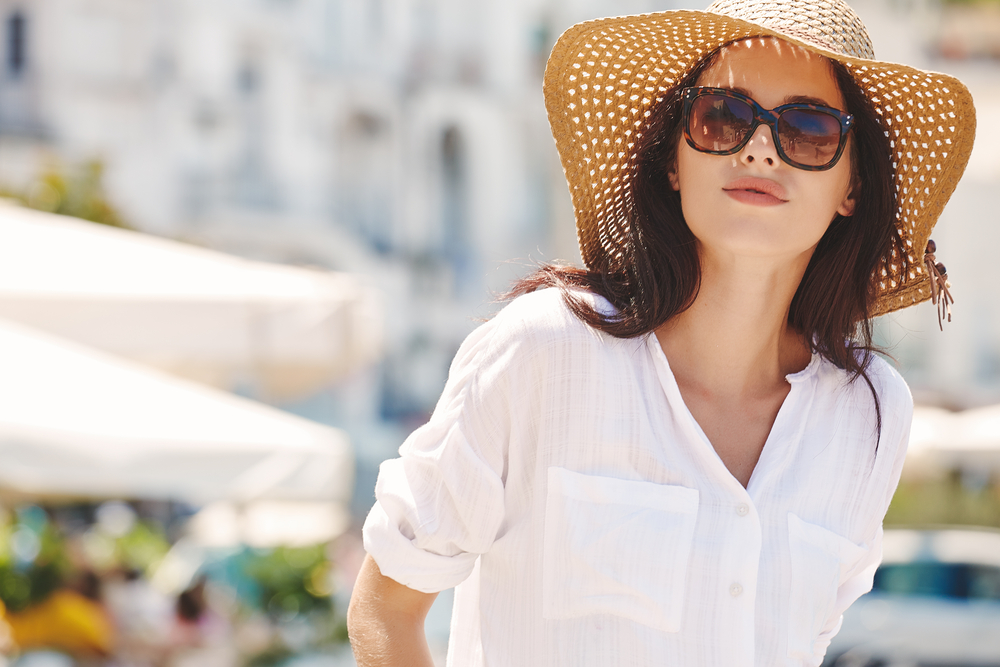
{"x": 405, "y": 140}
{"x": 402, "y": 139}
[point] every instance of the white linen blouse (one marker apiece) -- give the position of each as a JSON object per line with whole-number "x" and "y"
{"x": 564, "y": 487}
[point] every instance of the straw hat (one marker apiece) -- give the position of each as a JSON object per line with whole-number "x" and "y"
{"x": 604, "y": 76}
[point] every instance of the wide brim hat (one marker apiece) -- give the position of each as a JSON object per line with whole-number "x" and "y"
{"x": 604, "y": 76}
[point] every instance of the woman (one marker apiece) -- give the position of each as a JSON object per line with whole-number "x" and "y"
{"x": 668, "y": 459}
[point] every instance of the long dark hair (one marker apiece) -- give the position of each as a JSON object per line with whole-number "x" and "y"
{"x": 657, "y": 273}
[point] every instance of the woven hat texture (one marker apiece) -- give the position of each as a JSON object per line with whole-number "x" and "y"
{"x": 603, "y": 77}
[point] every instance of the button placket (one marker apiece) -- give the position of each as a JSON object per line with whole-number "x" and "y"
{"x": 741, "y": 565}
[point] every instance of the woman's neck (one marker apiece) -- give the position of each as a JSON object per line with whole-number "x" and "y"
{"x": 734, "y": 339}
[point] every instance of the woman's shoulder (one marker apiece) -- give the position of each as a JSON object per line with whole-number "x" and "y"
{"x": 545, "y": 315}
{"x": 888, "y": 382}
{"x": 854, "y": 395}
{"x": 535, "y": 335}
{"x": 885, "y": 380}
{"x": 541, "y": 327}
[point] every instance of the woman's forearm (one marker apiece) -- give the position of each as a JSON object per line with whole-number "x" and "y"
{"x": 386, "y": 621}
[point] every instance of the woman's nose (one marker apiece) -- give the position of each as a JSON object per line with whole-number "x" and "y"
{"x": 760, "y": 148}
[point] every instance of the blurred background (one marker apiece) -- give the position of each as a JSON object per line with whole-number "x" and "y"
{"x": 240, "y": 241}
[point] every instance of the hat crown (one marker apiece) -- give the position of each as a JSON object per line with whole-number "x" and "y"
{"x": 828, "y": 24}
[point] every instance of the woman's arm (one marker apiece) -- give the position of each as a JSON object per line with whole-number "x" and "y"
{"x": 386, "y": 621}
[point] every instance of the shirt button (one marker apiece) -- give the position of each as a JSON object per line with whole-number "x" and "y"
{"x": 735, "y": 590}
{"x": 743, "y": 509}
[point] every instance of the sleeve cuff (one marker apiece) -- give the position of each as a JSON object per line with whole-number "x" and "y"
{"x": 402, "y": 561}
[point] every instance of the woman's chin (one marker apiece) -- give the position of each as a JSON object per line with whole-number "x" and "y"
{"x": 757, "y": 244}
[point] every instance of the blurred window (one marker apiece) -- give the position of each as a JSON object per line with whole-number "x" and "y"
{"x": 943, "y": 580}
{"x": 365, "y": 184}
{"x": 247, "y": 79}
{"x": 453, "y": 167}
{"x": 16, "y": 29}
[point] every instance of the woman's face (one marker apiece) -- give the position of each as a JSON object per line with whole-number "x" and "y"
{"x": 720, "y": 194}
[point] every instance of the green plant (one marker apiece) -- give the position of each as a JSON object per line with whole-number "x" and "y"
{"x": 77, "y": 192}
{"x": 945, "y": 501}
{"x": 142, "y": 547}
{"x": 291, "y": 581}
{"x": 293, "y": 586}
{"x": 33, "y": 561}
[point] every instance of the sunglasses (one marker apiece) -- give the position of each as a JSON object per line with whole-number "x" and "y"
{"x": 721, "y": 121}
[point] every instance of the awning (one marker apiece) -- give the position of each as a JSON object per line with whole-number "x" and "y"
{"x": 278, "y": 331}
{"x": 79, "y": 423}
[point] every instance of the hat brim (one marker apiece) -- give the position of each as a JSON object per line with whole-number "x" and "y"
{"x": 605, "y": 75}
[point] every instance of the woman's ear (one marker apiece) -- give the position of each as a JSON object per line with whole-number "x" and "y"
{"x": 846, "y": 207}
{"x": 675, "y": 182}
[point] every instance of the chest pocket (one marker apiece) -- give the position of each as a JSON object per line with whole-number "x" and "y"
{"x": 614, "y": 546}
{"x": 821, "y": 560}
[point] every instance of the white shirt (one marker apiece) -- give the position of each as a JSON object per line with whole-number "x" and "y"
{"x": 565, "y": 488}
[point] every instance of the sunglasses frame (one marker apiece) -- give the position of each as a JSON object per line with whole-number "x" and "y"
{"x": 768, "y": 117}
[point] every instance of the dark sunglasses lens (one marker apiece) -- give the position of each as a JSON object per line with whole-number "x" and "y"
{"x": 719, "y": 123}
{"x": 809, "y": 137}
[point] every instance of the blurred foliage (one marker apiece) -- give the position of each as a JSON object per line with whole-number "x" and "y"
{"x": 33, "y": 561}
{"x": 277, "y": 654}
{"x": 949, "y": 500}
{"x": 291, "y": 581}
{"x": 294, "y": 588}
{"x": 141, "y": 548}
{"x": 289, "y": 589}
{"x": 75, "y": 192}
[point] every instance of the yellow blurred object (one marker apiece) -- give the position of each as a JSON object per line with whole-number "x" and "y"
{"x": 6, "y": 641}
{"x": 66, "y": 620}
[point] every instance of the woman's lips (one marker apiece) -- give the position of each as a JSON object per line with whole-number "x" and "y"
{"x": 756, "y": 191}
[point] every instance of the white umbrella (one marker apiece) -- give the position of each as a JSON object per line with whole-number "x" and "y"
{"x": 204, "y": 315}
{"x": 77, "y": 422}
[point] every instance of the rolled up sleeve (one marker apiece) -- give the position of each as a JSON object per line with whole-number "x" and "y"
{"x": 440, "y": 505}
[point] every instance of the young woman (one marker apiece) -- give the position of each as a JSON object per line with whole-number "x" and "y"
{"x": 682, "y": 454}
